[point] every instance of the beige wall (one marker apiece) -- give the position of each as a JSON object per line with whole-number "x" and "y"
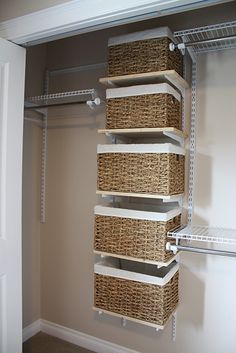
{"x": 35, "y": 67}
{"x": 31, "y": 223}
{"x": 207, "y": 288}
{"x": 16, "y": 8}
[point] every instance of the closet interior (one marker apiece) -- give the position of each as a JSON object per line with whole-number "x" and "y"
{"x": 116, "y": 204}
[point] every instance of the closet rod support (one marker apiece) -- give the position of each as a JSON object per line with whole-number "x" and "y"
{"x": 198, "y": 250}
{"x": 93, "y": 103}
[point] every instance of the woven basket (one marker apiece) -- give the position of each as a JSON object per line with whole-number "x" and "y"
{"x": 153, "y": 173}
{"x": 143, "y": 56}
{"x": 136, "y": 238}
{"x": 135, "y": 299}
{"x": 157, "y": 107}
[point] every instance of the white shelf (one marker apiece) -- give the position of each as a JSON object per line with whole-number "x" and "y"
{"x": 168, "y": 76}
{"x": 169, "y": 198}
{"x": 217, "y": 32}
{"x": 157, "y": 263}
{"x": 62, "y": 98}
{"x": 136, "y": 133}
{"x": 205, "y": 234}
{"x": 128, "y": 318}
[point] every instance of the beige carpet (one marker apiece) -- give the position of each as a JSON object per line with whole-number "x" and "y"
{"x": 42, "y": 343}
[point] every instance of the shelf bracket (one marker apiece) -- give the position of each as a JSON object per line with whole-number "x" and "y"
{"x": 123, "y": 322}
{"x": 175, "y": 137}
{"x": 178, "y": 199}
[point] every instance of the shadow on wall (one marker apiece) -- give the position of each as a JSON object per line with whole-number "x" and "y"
{"x": 192, "y": 291}
{"x": 203, "y": 177}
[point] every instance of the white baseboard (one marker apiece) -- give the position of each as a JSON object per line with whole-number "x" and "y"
{"x": 31, "y": 330}
{"x": 81, "y": 339}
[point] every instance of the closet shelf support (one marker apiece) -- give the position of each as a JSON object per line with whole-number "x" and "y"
{"x": 182, "y": 46}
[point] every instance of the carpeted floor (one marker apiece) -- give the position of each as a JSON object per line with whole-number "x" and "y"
{"x": 42, "y": 343}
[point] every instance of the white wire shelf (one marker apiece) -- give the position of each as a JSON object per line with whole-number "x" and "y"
{"x": 205, "y": 234}
{"x": 88, "y": 96}
{"x": 217, "y": 32}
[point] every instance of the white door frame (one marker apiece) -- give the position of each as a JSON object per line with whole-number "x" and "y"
{"x": 12, "y": 74}
{"x": 78, "y": 16}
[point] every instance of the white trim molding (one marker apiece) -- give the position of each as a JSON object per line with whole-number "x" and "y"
{"x": 78, "y": 338}
{"x": 31, "y": 330}
{"x": 81, "y": 339}
{"x": 77, "y": 16}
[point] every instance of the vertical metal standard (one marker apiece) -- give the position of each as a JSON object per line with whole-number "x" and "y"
{"x": 174, "y": 326}
{"x": 184, "y": 95}
{"x": 192, "y": 141}
{"x": 44, "y": 157}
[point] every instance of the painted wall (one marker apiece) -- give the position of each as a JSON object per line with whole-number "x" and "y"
{"x": 207, "y": 288}
{"x": 31, "y": 223}
{"x": 35, "y": 67}
{"x": 15, "y": 8}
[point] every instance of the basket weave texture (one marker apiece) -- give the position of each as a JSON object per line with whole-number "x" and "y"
{"x": 143, "y": 56}
{"x": 155, "y": 173}
{"x": 144, "y": 111}
{"x": 146, "y": 302}
{"x": 136, "y": 238}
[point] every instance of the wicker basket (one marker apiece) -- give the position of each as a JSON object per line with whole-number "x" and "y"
{"x": 144, "y": 106}
{"x": 146, "y": 294}
{"x": 141, "y": 52}
{"x": 144, "y": 168}
{"x": 135, "y": 233}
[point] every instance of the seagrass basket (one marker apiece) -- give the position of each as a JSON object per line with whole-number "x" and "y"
{"x": 139, "y": 233}
{"x": 137, "y": 291}
{"x": 141, "y": 168}
{"x": 141, "y": 52}
{"x": 143, "y": 106}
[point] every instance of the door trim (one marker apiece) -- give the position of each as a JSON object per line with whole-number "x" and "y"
{"x": 76, "y": 17}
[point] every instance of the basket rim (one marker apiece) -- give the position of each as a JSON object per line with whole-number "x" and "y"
{"x": 137, "y": 214}
{"x": 159, "y": 32}
{"x": 104, "y": 267}
{"x": 141, "y": 148}
{"x": 140, "y": 90}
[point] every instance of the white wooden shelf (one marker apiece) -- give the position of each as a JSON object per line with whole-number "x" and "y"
{"x": 136, "y": 133}
{"x": 157, "y": 263}
{"x": 205, "y": 234}
{"x": 128, "y": 318}
{"x": 168, "y": 76}
{"x": 169, "y": 198}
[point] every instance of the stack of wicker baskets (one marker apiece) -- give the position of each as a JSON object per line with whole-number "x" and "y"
{"x": 128, "y": 283}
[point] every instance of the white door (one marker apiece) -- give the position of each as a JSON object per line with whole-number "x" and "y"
{"x": 12, "y": 73}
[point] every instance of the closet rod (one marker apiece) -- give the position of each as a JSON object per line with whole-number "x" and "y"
{"x": 204, "y": 41}
{"x": 51, "y": 105}
{"x": 90, "y": 103}
{"x": 198, "y": 250}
